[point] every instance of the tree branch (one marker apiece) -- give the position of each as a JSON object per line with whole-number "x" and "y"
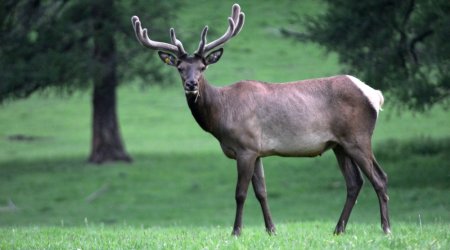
{"x": 410, "y": 9}
{"x": 415, "y": 40}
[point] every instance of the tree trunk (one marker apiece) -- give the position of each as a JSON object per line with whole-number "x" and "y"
{"x": 107, "y": 145}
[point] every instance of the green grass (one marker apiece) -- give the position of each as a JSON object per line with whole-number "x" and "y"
{"x": 179, "y": 191}
{"x": 310, "y": 235}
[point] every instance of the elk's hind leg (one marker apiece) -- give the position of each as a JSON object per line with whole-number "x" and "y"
{"x": 259, "y": 186}
{"x": 362, "y": 155}
{"x": 383, "y": 197}
{"x": 353, "y": 181}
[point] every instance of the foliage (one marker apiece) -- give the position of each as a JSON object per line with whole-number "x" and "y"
{"x": 398, "y": 46}
{"x": 51, "y": 43}
{"x": 76, "y": 44}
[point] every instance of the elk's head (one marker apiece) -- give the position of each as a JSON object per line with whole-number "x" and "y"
{"x": 191, "y": 67}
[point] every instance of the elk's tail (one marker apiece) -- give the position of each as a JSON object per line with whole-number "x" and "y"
{"x": 374, "y": 96}
{"x": 381, "y": 99}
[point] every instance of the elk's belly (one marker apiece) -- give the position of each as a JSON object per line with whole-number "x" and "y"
{"x": 307, "y": 145}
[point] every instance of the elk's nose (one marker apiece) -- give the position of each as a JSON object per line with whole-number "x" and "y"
{"x": 191, "y": 85}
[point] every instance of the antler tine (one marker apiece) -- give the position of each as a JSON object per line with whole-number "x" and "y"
{"x": 239, "y": 24}
{"x": 223, "y": 39}
{"x": 235, "y": 10}
{"x": 142, "y": 37}
{"x": 235, "y": 24}
{"x": 177, "y": 42}
{"x": 201, "y": 45}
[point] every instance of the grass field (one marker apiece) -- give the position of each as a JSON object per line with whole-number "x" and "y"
{"x": 309, "y": 235}
{"x": 179, "y": 191}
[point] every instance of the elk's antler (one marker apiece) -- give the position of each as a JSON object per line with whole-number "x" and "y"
{"x": 235, "y": 24}
{"x": 142, "y": 36}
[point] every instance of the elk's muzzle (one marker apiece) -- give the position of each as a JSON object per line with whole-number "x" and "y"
{"x": 191, "y": 87}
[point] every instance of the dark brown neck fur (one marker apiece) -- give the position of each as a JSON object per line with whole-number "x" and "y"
{"x": 203, "y": 107}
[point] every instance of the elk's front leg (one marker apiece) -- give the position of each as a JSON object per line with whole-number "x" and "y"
{"x": 259, "y": 186}
{"x": 245, "y": 168}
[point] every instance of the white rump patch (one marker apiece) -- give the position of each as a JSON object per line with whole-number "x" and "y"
{"x": 375, "y": 96}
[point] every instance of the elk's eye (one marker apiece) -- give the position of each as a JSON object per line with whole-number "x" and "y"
{"x": 203, "y": 68}
{"x": 180, "y": 68}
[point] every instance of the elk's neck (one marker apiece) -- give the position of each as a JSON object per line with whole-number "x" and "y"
{"x": 204, "y": 107}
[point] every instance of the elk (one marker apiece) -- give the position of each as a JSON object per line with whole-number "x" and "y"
{"x": 253, "y": 119}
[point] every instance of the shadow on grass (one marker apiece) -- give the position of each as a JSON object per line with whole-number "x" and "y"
{"x": 418, "y": 162}
{"x": 198, "y": 189}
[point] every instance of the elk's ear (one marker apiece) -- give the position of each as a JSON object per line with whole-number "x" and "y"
{"x": 214, "y": 56}
{"x": 167, "y": 58}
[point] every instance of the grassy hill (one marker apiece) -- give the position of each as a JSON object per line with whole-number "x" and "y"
{"x": 179, "y": 191}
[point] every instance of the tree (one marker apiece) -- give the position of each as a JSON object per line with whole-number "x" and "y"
{"x": 398, "y": 46}
{"x": 70, "y": 45}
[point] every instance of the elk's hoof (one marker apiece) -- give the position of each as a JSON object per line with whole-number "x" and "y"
{"x": 338, "y": 231}
{"x": 271, "y": 231}
{"x": 236, "y": 232}
{"x": 340, "y": 228}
